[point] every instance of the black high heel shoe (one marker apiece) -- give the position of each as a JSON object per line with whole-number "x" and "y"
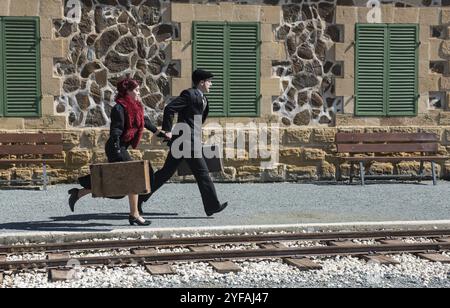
{"x": 133, "y": 220}
{"x": 73, "y": 198}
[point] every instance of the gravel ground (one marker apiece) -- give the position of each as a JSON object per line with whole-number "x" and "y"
{"x": 336, "y": 273}
{"x": 179, "y": 205}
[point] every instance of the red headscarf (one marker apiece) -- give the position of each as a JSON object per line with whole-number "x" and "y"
{"x": 134, "y": 112}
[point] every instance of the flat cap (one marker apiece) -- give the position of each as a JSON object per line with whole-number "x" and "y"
{"x": 199, "y": 75}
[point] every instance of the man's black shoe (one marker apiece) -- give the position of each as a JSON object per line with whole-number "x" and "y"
{"x": 73, "y": 198}
{"x": 222, "y": 207}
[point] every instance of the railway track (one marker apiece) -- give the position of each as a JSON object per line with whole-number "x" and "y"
{"x": 59, "y": 258}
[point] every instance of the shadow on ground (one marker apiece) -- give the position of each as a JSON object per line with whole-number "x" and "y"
{"x": 82, "y": 222}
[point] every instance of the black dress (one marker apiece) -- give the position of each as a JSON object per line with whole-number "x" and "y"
{"x": 116, "y": 150}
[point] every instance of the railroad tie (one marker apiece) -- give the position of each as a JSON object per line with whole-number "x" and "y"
{"x": 434, "y": 257}
{"x": 303, "y": 264}
{"x": 55, "y": 275}
{"x": 2, "y": 258}
{"x": 224, "y": 267}
{"x": 1, "y": 278}
{"x": 392, "y": 242}
{"x": 342, "y": 243}
{"x": 200, "y": 248}
{"x": 143, "y": 252}
{"x": 272, "y": 246}
{"x": 58, "y": 256}
{"x": 159, "y": 269}
{"x": 444, "y": 240}
{"x": 381, "y": 259}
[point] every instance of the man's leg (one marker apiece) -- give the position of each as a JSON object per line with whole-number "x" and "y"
{"x": 205, "y": 184}
{"x": 162, "y": 176}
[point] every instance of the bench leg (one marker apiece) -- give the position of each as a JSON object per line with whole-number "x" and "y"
{"x": 421, "y": 172}
{"x": 351, "y": 172}
{"x": 433, "y": 172}
{"x": 45, "y": 178}
{"x": 338, "y": 172}
{"x": 362, "y": 172}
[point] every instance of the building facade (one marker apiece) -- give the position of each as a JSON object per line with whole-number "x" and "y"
{"x": 312, "y": 68}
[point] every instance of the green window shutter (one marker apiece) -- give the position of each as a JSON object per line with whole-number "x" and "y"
{"x": 371, "y": 66}
{"x": 21, "y": 66}
{"x": 231, "y": 51}
{"x": 244, "y": 69}
{"x": 209, "y": 53}
{"x": 402, "y": 77}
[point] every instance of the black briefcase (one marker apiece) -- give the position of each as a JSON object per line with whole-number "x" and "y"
{"x": 214, "y": 164}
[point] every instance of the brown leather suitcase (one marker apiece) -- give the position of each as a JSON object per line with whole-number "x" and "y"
{"x": 214, "y": 164}
{"x": 120, "y": 179}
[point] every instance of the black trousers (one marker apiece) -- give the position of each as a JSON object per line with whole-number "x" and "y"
{"x": 201, "y": 173}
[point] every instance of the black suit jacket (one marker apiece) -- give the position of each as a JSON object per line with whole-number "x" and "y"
{"x": 188, "y": 105}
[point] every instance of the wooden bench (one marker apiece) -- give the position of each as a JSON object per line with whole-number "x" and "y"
{"x": 386, "y": 147}
{"x": 30, "y": 149}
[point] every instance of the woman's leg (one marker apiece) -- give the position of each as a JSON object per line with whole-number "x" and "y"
{"x": 134, "y": 205}
{"x": 135, "y": 218}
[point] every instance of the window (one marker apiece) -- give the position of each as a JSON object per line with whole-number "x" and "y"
{"x": 20, "y": 89}
{"x": 386, "y": 69}
{"x": 231, "y": 51}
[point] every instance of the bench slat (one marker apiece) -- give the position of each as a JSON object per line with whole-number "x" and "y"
{"x": 30, "y": 149}
{"x": 395, "y": 159}
{"x": 385, "y": 137}
{"x": 31, "y": 138}
{"x": 386, "y": 148}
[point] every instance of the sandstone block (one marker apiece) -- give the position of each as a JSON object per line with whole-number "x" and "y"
{"x": 23, "y": 174}
{"x": 46, "y": 122}
{"x": 24, "y": 8}
{"x": 182, "y": 12}
{"x": 314, "y": 154}
{"x": 156, "y": 157}
{"x": 346, "y": 14}
{"x": 321, "y": 136}
{"x": 296, "y": 136}
{"x": 429, "y": 16}
{"x": 291, "y": 156}
{"x": 381, "y": 168}
{"x": 79, "y": 157}
{"x": 206, "y": 12}
{"x": 271, "y": 14}
{"x": 301, "y": 173}
{"x": 345, "y": 86}
{"x": 406, "y": 15}
{"x": 327, "y": 171}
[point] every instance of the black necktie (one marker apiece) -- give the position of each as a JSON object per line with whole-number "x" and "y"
{"x": 205, "y": 103}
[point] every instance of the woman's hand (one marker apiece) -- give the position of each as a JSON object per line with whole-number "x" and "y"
{"x": 162, "y": 134}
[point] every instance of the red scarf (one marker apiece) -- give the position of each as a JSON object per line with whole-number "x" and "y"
{"x": 134, "y": 120}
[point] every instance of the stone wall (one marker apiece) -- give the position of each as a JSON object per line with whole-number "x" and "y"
{"x": 307, "y": 78}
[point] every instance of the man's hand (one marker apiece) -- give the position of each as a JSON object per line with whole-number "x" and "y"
{"x": 169, "y": 136}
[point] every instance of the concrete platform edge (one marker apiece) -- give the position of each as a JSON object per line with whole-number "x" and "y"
{"x": 59, "y": 237}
